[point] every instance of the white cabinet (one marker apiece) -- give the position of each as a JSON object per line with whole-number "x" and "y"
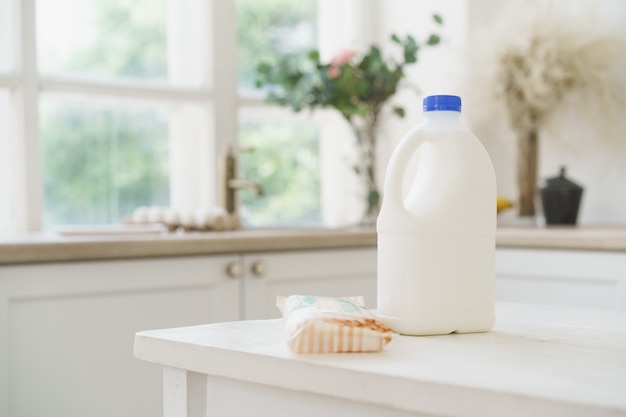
{"x": 344, "y": 272}
{"x": 67, "y": 330}
{"x": 574, "y": 278}
{"x": 56, "y": 318}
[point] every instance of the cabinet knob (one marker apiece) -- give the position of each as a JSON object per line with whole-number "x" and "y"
{"x": 233, "y": 269}
{"x": 258, "y": 268}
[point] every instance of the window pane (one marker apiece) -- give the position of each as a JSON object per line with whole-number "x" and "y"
{"x": 101, "y": 161}
{"x": 267, "y": 29}
{"x": 285, "y": 162}
{"x": 7, "y": 20}
{"x": 7, "y": 199}
{"x": 157, "y": 41}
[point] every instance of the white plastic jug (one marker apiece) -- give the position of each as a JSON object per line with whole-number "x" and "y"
{"x": 436, "y": 247}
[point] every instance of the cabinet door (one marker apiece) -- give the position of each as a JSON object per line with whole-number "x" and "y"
{"x": 569, "y": 278}
{"x": 67, "y": 330}
{"x": 344, "y": 272}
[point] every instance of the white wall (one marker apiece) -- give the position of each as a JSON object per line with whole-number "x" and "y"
{"x": 473, "y": 30}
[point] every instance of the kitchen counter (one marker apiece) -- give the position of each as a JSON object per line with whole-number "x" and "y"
{"x": 54, "y": 248}
{"x": 595, "y": 238}
{"x": 68, "y": 248}
{"x": 537, "y": 361}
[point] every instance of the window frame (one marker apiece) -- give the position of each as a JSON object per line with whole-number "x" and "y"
{"x": 27, "y": 85}
{"x": 221, "y": 99}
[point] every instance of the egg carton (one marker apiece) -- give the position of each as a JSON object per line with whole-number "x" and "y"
{"x": 215, "y": 219}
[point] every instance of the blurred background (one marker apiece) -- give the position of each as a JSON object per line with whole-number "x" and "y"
{"x": 109, "y": 105}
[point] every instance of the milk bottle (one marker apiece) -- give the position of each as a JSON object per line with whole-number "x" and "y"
{"x": 436, "y": 246}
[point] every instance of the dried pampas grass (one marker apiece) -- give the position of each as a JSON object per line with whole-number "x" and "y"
{"x": 538, "y": 70}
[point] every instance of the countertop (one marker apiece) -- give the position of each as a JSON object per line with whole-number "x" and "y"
{"x": 55, "y": 248}
{"x": 538, "y": 360}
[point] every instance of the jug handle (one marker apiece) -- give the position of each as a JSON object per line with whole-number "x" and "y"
{"x": 398, "y": 164}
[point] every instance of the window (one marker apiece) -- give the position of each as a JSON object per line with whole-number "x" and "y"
{"x": 100, "y": 161}
{"x": 267, "y": 29}
{"x": 7, "y": 84}
{"x": 284, "y": 156}
{"x": 109, "y": 108}
{"x": 7, "y": 30}
{"x": 6, "y": 187}
{"x": 139, "y": 41}
{"x": 107, "y": 105}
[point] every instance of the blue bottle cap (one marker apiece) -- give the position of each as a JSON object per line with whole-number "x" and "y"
{"x": 442, "y": 103}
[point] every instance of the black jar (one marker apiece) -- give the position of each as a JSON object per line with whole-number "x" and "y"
{"x": 561, "y": 199}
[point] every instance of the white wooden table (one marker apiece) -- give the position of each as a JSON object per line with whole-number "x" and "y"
{"x": 537, "y": 361}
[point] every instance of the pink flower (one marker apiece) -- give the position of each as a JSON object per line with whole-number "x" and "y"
{"x": 342, "y": 58}
{"x": 333, "y": 72}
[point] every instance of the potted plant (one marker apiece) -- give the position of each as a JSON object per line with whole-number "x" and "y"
{"x": 357, "y": 85}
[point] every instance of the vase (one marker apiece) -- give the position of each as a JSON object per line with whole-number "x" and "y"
{"x": 365, "y": 131}
{"x": 560, "y": 200}
{"x": 527, "y": 165}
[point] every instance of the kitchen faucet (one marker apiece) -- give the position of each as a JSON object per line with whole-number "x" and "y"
{"x": 230, "y": 184}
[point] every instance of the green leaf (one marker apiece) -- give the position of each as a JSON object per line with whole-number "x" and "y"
{"x": 314, "y": 55}
{"x": 264, "y": 68}
{"x": 398, "y": 111}
{"x": 433, "y": 40}
{"x": 374, "y": 53}
{"x": 373, "y": 198}
{"x": 410, "y": 50}
{"x": 438, "y": 19}
{"x": 301, "y": 81}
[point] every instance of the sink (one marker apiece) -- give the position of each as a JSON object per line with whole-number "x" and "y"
{"x": 110, "y": 229}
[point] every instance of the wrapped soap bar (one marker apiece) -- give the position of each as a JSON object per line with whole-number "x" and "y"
{"x": 331, "y": 325}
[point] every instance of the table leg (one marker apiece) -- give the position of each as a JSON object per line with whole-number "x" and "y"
{"x": 184, "y": 393}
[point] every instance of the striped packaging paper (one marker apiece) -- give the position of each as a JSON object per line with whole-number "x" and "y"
{"x": 331, "y": 325}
